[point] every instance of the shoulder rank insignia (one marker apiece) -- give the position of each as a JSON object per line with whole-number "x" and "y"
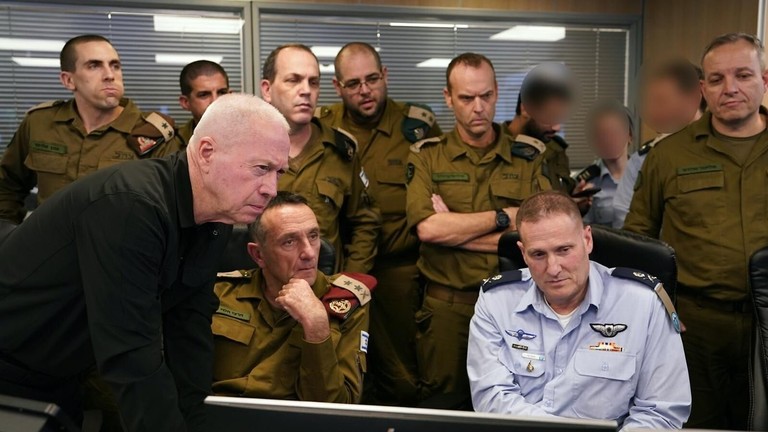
{"x": 44, "y": 105}
{"x": 526, "y": 147}
{"x": 647, "y": 146}
{"x": 348, "y": 291}
{"x": 235, "y": 274}
{"x": 416, "y": 147}
{"x": 653, "y": 283}
{"x": 344, "y": 143}
{"x": 321, "y": 112}
{"x": 501, "y": 279}
{"x": 156, "y": 129}
{"x": 418, "y": 121}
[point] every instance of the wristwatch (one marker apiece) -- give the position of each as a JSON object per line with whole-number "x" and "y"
{"x": 502, "y": 220}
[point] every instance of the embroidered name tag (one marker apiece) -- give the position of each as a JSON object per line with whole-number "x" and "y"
{"x": 242, "y": 316}
{"x": 49, "y": 147}
{"x": 449, "y": 176}
{"x": 699, "y": 169}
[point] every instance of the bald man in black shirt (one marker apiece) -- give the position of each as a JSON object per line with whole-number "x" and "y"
{"x": 117, "y": 270}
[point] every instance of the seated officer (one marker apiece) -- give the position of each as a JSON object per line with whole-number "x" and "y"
{"x": 286, "y": 330}
{"x": 571, "y": 338}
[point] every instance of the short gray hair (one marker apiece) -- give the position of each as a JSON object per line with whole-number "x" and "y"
{"x": 734, "y": 37}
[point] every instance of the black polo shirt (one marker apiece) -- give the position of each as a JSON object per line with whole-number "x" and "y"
{"x": 113, "y": 270}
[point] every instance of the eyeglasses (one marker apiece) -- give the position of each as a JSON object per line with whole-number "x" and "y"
{"x": 356, "y": 84}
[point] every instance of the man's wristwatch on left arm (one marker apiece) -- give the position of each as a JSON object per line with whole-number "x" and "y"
{"x": 502, "y": 220}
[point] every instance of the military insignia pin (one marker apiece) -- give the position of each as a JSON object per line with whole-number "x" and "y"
{"x": 608, "y": 330}
{"x": 340, "y": 306}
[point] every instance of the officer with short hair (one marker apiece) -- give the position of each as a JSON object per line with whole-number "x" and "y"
{"x": 324, "y": 166}
{"x": 201, "y": 83}
{"x": 286, "y": 330}
{"x": 61, "y": 141}
{"x": 463, "y": 192}
{"x": 384, "y": 129}
{"x": 571, "y": 338}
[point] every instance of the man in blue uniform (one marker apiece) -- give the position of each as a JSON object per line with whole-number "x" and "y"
{"x": 571, "y": 338}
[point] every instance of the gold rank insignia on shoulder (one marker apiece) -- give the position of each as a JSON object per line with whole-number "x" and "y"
{"x": 357, "y": 288}
{"x": 155, "y": 130}
{"x": 235, "y": 274}
{"x": 416, "y": 147}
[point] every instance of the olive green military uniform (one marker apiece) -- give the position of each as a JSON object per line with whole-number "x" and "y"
{"x": 51, "y": 149}
{"x": 186, "y": 131}
{"x": 468, "y": 182}
{"x": 261, "y": 352}
{"x": 383, "y": 152}
{"x": 556, "y": 165}
{"x": 328, "y": 174}
{"x": 707, "y": 196}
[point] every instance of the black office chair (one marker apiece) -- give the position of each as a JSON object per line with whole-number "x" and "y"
{"x": 612, "y": 248}
{"x": 236, "y": 256}
{"x": 758, "y": 277}
{"x": 5, "y": 228}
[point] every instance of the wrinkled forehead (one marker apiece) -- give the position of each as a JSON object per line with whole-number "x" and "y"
{"x": 357, "y": 64}
{"x": 731, "y": 57}
{"x": 289, "y": 219}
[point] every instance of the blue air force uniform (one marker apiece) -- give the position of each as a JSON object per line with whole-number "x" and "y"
{"x": 620, "y": 356}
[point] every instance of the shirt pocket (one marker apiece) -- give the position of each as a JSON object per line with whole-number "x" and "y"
{"x": 456, "y": 195}
{"x": 47, "y": 162}
{"x": 508, "y": 193}
{"x": 700, "y": 199}
{"x": 389, "y": 191}
{"x": 232, "y": 340}
{"x": 604, "y": 382}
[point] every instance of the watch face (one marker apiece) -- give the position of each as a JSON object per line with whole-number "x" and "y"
{"x": 502, "y": 219}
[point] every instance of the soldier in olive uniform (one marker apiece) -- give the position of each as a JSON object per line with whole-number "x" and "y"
{"x": 286, "y": 330}
{"x": 543, "y": 104}
{"x": 201, "y": 83}
{"x": 703, "y": 191}
{"x": 323, "y": 164}
{"x": 61, "y": 141}
{"x": 463, "y": 192}
{"x": 384, "y": 130}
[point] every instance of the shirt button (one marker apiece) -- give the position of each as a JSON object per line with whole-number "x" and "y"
{"x": 559, "y": 371}
{"x": 215, "y": 232}
{"x": 548, "y": 403}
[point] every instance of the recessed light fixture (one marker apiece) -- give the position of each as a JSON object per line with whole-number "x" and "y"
{"x": 196, "y": 24}
{"x": 428, "y": 25}
{"x": 327, "y": 68}
{"x": 19, "y": 44}
{"x": 184, "y": 59}
{"x": 531, "y": 33}
{"x": 325, "y": 51}
{"x": 36, "y": 62}
{"x": 434, "y": 62}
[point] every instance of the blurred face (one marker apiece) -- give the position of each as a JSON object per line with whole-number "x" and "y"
{"x": 362, "y": 86}
{"x": 472, "y": 98}
{"x": 97, "y": 82}
{"x": 734, "y": 84}
{"x": 243, "y": 174}
{"x": 291, "y": 245}
{"x": 205, "y": 90}
{"x": 666, "y": 108}
{"x": 556, "y": 250}
{"x": 546, "y": 119}
{"x": 610, "y": 136}
{"x": 296, "y": 87}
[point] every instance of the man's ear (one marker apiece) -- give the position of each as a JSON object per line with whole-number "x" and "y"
{"x": 204, "y": 153}
{"x": 522, "y": 251}
{"x": 588, "y": 245}
{"x": 184, "y": 102}
{"x": 447, "y": 96}
{"x": 66, "y": 80}
{"x": 336, "y": 86}
{"x": 254, "y": 250}
{"x": 265, "y": 86}
{"x": 384, "y": 74}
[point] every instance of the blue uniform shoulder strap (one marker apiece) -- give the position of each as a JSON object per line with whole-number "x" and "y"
{"x": 501, "y": 279}
{"x": 653, "y": 283}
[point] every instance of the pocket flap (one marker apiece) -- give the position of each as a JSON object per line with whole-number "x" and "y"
{"x": 330, "y": 190}
{"x": 507, "y": 189}
{"x": 612, "y": 365}
{"x": 394, "y": 175}
{"x": 232, "y": 329}
{"x": 47, "y": 162}
{"x": 693, "y": 182}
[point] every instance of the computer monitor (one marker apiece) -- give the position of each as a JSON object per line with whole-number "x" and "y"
{"x": 235, "y": 414}
{"x": 24, "y": 415}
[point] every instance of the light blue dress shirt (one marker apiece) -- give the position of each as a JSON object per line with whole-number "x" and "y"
{"x": 601, "y": 212}
{"x": 521, "y": 361}
{"x": 622, "y": 198}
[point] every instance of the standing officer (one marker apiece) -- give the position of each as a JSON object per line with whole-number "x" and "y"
{"x": 286, "y": 330}
{"x": 129, "y": 257}
{"x": 201, "y": 82}
{"x": 323, "y": 165}
{"x": 463, "y": 192}
{"x": 572, "y": 338}
{"x": 703, "y": 191}
{"x": 384, "y": 129}
{"x": 61, "y": 141}
{"x": 671, "y": 100}
{"x": 543, "y": 104}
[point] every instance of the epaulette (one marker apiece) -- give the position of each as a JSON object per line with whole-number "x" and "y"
{"x": 653, "y": 283}
{"x": 348, "y": 291}
{"x": 647, "y": 146}
{"x": 344, "y": 143}
{"x": 44, "y": 105}
{"x": 416, "y": 147}
{"x": 560, "y": 141}
{"x": 417, "y": 122}
{"x": 321, "y": 111}
{"x": 502, "y": 278}
{"x": 155, "y": 129}
{"x": 527, "y": 147}
{"x": 235, "y": 274}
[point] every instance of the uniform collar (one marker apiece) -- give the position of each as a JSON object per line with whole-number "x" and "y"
{"x": 703, "y": 126}
{"x": 184, "y": 198}
{"x": 123, "y": 123}
{"x": 455, "y": 147}
{"x": 386, "y": 125}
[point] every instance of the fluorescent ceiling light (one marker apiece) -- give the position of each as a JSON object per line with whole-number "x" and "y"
{"x": 427, "y": 25}
{"x": 434, "y": 62}
{"x": 36, "y": 62}
{"x": 329, "y": 68}
{"x": 184, "y": 59}
{"x": 325, "y": 51}
{"x": 531, "y": 33}
{"x": 193, "y": 24}
{"x": 18, "y": 44}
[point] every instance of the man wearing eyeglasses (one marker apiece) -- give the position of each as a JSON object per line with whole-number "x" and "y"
{"x": 464, "y": 190}
{"x": 384, "y": 130}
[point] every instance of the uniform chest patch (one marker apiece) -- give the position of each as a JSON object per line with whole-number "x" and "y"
{"x": 449, "y": 176}
{"x": 242, "y": 316}
{"x": 608, "y": 330}
{"x": 46, "y": 147}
